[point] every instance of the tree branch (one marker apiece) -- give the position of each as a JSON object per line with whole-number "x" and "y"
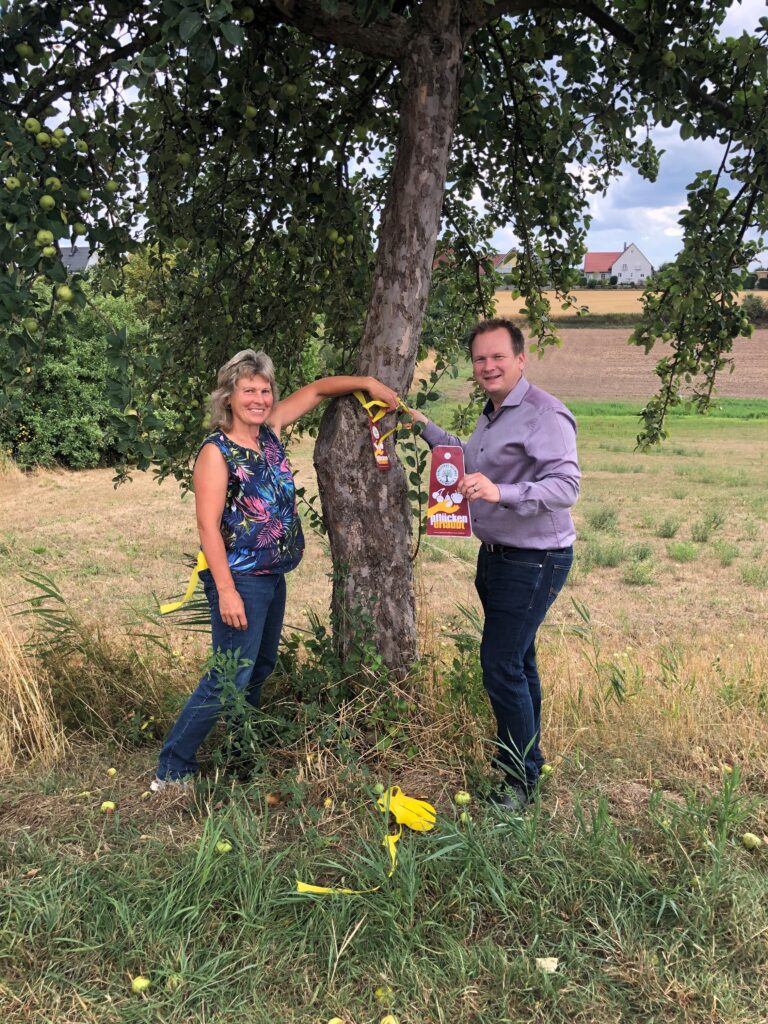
{"x": 476, "y": 13}
{"x": 606, "y": 21}
{"x": 388, "y": 37}
{"x": 696, "y": 95}
{"x": 84, "y": 73}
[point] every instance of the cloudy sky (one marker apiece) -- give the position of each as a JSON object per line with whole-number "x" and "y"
{"x": 633, "y": 209}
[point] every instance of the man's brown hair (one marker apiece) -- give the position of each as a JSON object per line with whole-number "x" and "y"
{"x": 515, "y": 334}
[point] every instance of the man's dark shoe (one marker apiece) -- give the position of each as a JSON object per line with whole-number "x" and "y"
{"x": 512, "y": 797}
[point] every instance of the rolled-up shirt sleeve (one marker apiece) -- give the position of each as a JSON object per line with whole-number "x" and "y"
{"x": 551, "y": 445}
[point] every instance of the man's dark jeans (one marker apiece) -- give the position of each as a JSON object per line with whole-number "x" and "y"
{"x": 516, "y": 588}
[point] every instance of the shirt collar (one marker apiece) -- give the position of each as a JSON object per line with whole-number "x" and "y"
{"x": 514, "y": 397}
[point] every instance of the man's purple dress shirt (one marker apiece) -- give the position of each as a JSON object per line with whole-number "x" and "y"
{"x": 527, "y": 447}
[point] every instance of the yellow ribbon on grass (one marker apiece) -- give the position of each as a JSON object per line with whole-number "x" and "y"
{"x": 417, "y": 815}
{"x": 175, "y": 605}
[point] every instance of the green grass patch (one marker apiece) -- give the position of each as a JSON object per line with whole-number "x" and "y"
{"x": 756, "y": 575}
{"x": 638, "y": 574}
{"x": 668, "y": 527}
{"x": 597, "y": 320}
{"x": 725, "y": 408}
{"x": 606, "y": 552}
{"x": 603, "y": 518}
{"x": 671, "y": 900}
{"x": 683, "y": 551}
{"x": 726, "y": 552}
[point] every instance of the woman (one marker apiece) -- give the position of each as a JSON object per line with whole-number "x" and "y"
{"x": 250, "y": 533}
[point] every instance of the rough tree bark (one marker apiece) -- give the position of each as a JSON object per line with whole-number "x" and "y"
{"x": 366, "y": 510}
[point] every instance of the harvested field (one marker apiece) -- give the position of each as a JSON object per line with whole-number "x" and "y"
{"x": 601, "y": 301}
{"x": 600, "y": 364}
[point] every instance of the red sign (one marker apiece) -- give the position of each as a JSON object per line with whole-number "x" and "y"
{"x": 447, "y": 509}
{"x": 377, "y": 442}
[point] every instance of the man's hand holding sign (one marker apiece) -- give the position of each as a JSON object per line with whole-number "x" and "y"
{"x": 475, "y": 486}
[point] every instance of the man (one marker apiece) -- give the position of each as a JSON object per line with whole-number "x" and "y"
{"x": 522, "y": 477}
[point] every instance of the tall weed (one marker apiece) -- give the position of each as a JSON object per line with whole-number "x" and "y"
{"x": 29, "y": 729}
{"x": 103, "y": 683}
{"x": 603, "y": 518}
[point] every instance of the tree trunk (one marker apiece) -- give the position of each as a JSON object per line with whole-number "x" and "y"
{"x": 367, "y": 511}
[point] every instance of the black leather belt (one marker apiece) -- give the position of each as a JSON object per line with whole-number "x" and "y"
{"x": 505, "y": 549}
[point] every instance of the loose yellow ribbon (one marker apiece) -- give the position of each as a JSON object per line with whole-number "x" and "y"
{"x": 417, "y": 815}
{"x": 174, "y": 605}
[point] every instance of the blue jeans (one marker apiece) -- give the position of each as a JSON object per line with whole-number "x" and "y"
{"x": 254, "y": 650}
{"x": 516, "y": 587}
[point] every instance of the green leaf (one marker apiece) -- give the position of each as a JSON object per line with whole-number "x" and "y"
{"x": 232, "y": 33}
{"x": 57, "y": 273}
{"x": 189, "y": 25}
{"x": 203, "y": 53}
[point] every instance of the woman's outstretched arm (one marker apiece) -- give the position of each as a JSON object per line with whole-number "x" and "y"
{"x": 292, "y": 408}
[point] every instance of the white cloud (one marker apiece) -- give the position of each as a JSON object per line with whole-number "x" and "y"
{"x": 665, "y": 219}
{"x": 743, "y": 16}
{"x": 647, "y": 213}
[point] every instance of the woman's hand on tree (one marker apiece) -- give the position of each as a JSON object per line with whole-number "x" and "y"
{"x": 382, "y": 393}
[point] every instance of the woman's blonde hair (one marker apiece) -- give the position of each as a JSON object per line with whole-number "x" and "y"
{"x": 245, "y": 364}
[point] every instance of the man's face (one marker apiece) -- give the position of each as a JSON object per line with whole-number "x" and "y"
{"x": 495, "y": 366}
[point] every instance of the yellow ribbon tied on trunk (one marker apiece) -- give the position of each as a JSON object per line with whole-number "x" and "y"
{"x": 417, "y": 815}
{"x": 381, "y": 410}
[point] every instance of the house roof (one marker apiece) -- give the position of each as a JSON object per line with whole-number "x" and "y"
{"x": 599, "y": 262}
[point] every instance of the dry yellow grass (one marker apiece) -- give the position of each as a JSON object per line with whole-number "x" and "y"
{"x": 29, "y": 730}
{"x": 8, "y": 467}
{"x": 691, "y": 644}
{"x": 600, "y": 301}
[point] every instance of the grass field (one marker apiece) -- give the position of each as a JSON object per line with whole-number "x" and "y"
{"x": 630, "y": 870}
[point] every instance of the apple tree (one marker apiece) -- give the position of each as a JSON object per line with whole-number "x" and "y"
{"x": 288, "y": 166}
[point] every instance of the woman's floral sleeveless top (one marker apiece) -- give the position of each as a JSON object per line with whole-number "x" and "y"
{"x": 260, "y": 524}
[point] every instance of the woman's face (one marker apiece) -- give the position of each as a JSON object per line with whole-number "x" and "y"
{"x": 251, "y": 401}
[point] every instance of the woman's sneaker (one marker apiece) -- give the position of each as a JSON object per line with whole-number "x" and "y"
{"x": 170, "y": 785}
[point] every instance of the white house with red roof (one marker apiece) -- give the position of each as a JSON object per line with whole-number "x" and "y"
{"x": 628, "y": 266}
